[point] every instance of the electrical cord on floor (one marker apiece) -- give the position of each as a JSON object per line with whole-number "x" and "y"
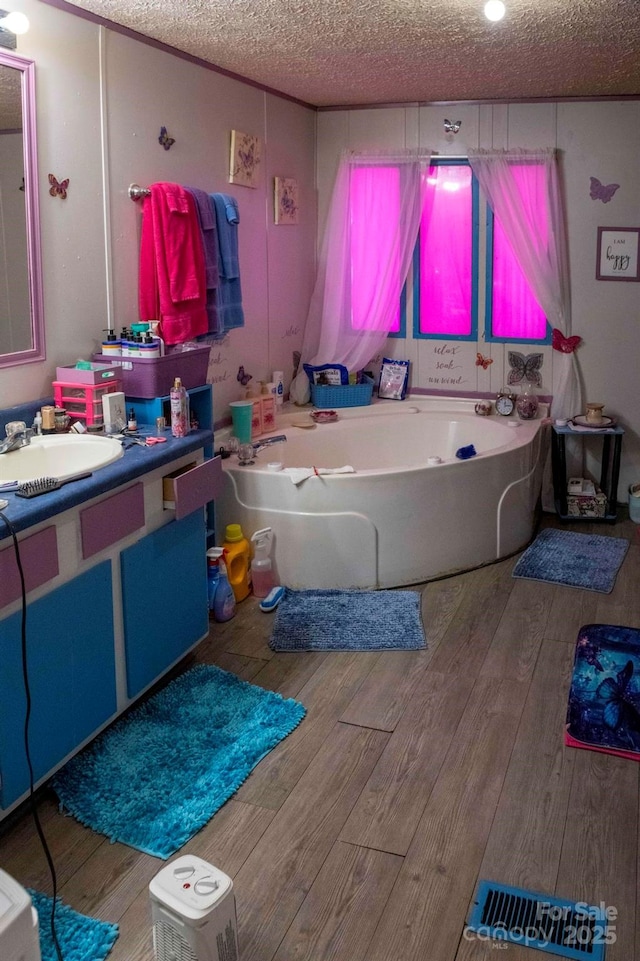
{"x": 27, "y": 751}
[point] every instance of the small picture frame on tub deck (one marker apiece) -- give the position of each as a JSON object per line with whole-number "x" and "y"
{"x": 618, "y": 253}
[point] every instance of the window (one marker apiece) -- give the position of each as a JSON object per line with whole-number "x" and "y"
{"x": 447, "y": 261}
{"x": 445, "y": 295}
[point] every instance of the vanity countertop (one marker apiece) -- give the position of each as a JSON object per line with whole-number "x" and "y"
{"x": 25, "y": 512}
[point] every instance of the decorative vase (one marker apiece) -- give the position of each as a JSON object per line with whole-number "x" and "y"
{"x": 527, "y": 403}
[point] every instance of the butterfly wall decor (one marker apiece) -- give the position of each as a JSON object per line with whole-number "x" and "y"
{"x": 58, "y": 189}
{"x": 165, "y": 140}
{"x": 603, "y": 192}
{"x": 566, "y": 345}
{"x": 452, "y": 126}
{"x": 525, "y": 368}
{"x": 243, "y": 378}
{"x": 482, "y": 361}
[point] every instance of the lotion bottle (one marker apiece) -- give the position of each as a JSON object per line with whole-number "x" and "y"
{"x": 179, "y": 404}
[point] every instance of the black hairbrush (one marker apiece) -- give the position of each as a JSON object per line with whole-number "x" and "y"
{"x": 45, "y": 484}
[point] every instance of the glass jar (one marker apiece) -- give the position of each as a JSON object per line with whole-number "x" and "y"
{"x": 527, "y": 403}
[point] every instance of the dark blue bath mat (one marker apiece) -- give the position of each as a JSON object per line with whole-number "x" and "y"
{"x": 155, "y": 777}
{"x": 333, "y": 620}
{"x": 589, "y": 561}
{"x": 604, "y": 700}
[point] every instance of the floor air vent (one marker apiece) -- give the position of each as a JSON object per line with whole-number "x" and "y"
{"x": 567, "y": 928}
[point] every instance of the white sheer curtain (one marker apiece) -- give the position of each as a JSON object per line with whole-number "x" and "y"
{"x": 371, "y": 230}
{"x": 543, "y": 259}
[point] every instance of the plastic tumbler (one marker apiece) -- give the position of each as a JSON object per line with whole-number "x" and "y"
{"x": 241, "y": 416}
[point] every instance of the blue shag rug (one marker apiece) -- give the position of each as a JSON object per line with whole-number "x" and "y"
{"x": 80, "y": 938}
{"x": 155, "y": 777}
{"x": 333, "y": 620}
{"x": 589, "y": 561}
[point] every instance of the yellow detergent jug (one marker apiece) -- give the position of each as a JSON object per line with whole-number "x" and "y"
{"x": 237, "y": 556}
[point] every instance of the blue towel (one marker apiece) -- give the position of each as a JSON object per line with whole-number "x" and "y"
{"x": 207, "y": 221}
{"x": 229, "y": 292}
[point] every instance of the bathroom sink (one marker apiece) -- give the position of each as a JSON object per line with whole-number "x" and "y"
{"x": 58, "y": 455}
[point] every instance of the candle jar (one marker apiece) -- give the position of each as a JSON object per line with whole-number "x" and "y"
{"x": 527, "y": 403}
{"x": 594, "y": 413}
{"x": 61, "y": 420}
{"x": 483, "y": 408}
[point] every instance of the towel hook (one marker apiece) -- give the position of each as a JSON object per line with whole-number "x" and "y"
{"x": 136, "y": 192}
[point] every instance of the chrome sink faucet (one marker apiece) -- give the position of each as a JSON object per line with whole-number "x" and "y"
{"x": 18, "y": 435}
{"x": 268, "y": 441}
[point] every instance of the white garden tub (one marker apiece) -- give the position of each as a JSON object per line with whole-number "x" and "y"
{"x": 398, "y": 519}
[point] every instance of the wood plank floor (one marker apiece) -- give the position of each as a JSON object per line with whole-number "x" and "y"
{"x": 362, "y": 836}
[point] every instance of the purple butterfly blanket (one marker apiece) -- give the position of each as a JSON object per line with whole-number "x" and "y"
{"x": 604, "y": 700}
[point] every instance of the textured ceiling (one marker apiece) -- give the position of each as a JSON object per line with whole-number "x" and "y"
{"x": 347, "y": 52}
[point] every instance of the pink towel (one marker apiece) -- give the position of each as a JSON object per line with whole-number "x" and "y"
{"x": 172, "y": 268}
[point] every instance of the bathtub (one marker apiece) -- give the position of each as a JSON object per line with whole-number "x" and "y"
{"x": 399, "y": 518}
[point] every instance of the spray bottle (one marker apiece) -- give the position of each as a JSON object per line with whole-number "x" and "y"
{"x": 224, "y": 602}
{"x": 213, "y": 573}
{"x": 262, "y": 575}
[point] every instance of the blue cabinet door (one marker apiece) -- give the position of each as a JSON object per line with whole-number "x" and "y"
{"x": 71, "y": 671}
{"x": 164, "y": 598}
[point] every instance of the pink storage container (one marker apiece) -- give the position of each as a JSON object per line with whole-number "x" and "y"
{"x": 154, "y": 376}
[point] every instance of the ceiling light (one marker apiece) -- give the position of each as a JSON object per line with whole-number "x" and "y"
{"x": 14, "y": 22}
{"x": 494, "y": 10}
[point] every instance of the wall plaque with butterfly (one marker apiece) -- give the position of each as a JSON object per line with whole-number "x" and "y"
{"x": 525, "y": 368}
{"x": 58, "y": 188}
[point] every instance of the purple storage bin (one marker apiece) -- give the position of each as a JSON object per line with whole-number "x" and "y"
{"x": 154, "y": 376}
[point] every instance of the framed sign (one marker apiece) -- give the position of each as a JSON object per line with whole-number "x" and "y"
{"x": 618, "y": 253}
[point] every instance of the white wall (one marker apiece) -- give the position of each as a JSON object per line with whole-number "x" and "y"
{"x": 599, "y": 139}
{"x": 102, "y": 98}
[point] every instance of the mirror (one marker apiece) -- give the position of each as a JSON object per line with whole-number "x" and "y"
{"x": 21, "y": 315}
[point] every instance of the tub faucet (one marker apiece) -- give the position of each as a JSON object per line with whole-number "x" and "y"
{"x": 268, "y": 441}
{"x": 18, "y": 435}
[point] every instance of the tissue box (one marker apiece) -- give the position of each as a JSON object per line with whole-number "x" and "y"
{"x": 587, "y": 505}
{"x": 154, "y": 376}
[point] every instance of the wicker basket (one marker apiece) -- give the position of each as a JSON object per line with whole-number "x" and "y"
{"x": 345, "y": 395}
